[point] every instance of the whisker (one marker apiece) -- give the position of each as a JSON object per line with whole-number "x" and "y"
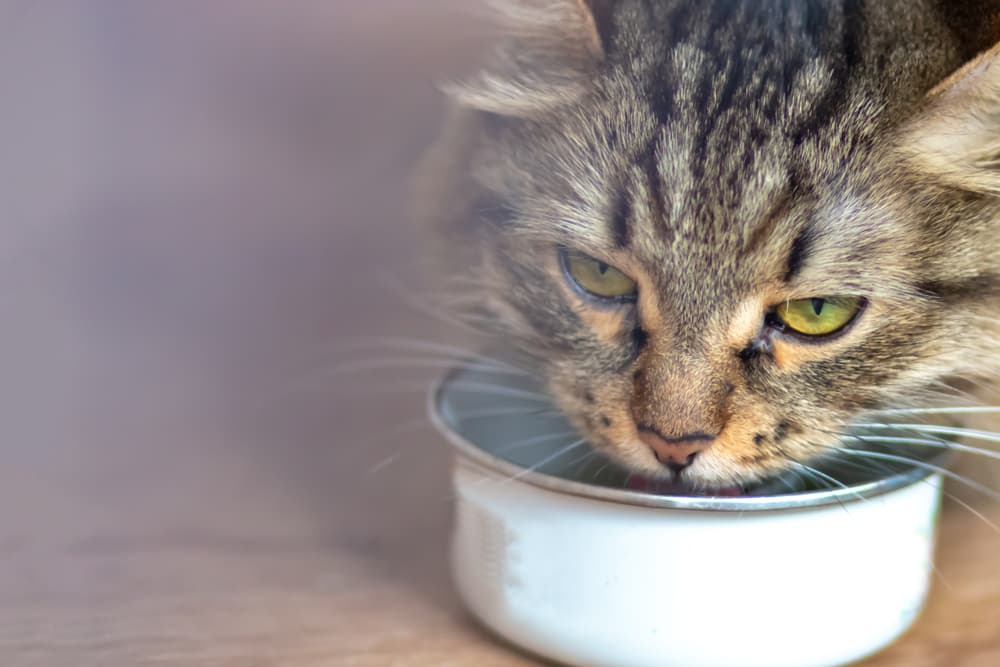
{"x": 383, "y": 464}
{"x": 943, "y": 444}
{"x": 513, "y": 478}
{"x": 498, "y": 390}
{"x": 830, "y": 479}
{"x": 419, "y": 345}
{"x": 399, "y": 429}
{"x": 937, "y": 571}
{"x": 867, "y": 467}
{"x": 924, "y": 465}
{"x": 791, "y": 487}
{"x": 413, "y": 301}
{"x": 936, "y": 392}
{"x": 422, "y": 422}
{"x": 548, "y": 459}
{"x": 597, "y": 473}
{"x": 809, "y": 474}
{"x": 947, "y": 494}
{"x": 891, "y": 439}
{"x": 988, "y": 409}
{"x": 974, "y": 511}
{"x": 472, "y": 415}
{"x": 988, "y": 436}
{"x": 534, "y": 440}
{"x": 426, "y": 362}
{"x": 417, "y": 387}
{"x": 581, "y": 462}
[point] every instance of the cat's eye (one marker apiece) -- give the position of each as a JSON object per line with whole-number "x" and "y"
{"x": 596, "y": 278}
{"x": 818, "y": 317}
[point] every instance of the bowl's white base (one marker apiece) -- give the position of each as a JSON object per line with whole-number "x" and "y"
{"x": 595, "y": 583}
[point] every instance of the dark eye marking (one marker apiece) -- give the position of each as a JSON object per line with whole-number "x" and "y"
{"x": 621, "y": 219}
{"x": 647, "y": 161}
{"x": 639, "y": 338}
{"x": 606, "y": 421}
{"x": 800, "y": 250}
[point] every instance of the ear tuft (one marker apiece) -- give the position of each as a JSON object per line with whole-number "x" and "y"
{"x": 551, "y": 48}
{"x": 561, "y": 28}
{"x": 957, "y": 136}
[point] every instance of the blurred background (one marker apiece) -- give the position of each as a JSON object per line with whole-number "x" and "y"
{"x": 202, "y": 206}
{"x": 202, "y": 211}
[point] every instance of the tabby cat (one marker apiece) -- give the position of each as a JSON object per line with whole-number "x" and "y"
{"x": 726, "y": 229}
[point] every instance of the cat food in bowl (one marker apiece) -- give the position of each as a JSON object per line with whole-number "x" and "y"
{"x": 555, "y": 550}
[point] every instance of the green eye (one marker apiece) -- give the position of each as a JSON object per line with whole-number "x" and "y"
{"x": 819, "y": 317}
{"x": 596, "y": 277}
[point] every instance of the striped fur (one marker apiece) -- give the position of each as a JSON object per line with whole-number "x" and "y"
{"x": 729, "y": 155}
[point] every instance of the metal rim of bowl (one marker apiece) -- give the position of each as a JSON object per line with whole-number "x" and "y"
{"x": 477, "y": 458}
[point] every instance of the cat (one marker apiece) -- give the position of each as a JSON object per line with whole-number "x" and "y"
{"x": 725, "y": 230}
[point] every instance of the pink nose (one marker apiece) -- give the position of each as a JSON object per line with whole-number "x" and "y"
{"x": 676, "y": 453}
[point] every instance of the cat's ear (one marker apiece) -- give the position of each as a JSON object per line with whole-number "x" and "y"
{"x": 550, "y": 49}
{"x": 956, "y": 138}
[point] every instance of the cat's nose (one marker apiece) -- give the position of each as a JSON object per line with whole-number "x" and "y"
{"x": 675, "y": 453}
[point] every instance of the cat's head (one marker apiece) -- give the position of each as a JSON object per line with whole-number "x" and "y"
{"x": 726, "y": 229}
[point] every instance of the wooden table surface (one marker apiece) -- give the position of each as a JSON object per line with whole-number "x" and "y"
{"x": 203, "y": 203}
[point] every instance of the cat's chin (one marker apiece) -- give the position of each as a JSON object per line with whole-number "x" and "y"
{"x": 679, "y": 487}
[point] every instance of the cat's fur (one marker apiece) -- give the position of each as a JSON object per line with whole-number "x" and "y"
{"x": 729, "y": 155}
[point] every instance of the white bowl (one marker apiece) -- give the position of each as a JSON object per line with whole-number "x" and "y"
{"x": 591, "y": 573}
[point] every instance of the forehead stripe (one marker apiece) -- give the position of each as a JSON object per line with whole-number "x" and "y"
{"x": 800, "y": 250}
{"x": 647, "y": 162}
{"x": 621, "y": 219}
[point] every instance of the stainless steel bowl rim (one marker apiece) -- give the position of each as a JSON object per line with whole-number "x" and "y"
{"x": 475, "y": 457}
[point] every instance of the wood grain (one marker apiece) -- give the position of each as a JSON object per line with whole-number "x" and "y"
{"x": 198, "y": 202}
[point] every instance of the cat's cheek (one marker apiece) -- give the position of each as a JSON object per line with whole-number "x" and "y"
{"x": 595, "y": 405}
{"x": 605, "y": 324}
{"x": 746, "y": 451}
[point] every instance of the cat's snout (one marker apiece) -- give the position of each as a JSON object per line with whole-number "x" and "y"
{"x": 675, "y": 453}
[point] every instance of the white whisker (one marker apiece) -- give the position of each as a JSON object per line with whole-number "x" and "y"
{"x": 548, "y": 459}
{"x": 974, "y": 511}
{"x": 417, "y": 387}
{"x": 427, "y": 362}
{"x": 979, "y": 409}
{"x": 988, "y": 436}
{"x": 926, "y": 466}
{"x": 580, "y": 462}
{"x": 830, "y": 479}
{"x": 414, "y": 302}
{"x": 943, "y": 444}
{"x": 384, "y": 463}
{"x": 597, "y": 473}
{"x": 520, "y": 444}
{"x": 498, "y": 390}
{"x": 471, "y": 415}
{"x": 418, "y": 345}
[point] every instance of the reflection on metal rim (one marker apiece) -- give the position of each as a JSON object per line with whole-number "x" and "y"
{"x": 473, "y": 456}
